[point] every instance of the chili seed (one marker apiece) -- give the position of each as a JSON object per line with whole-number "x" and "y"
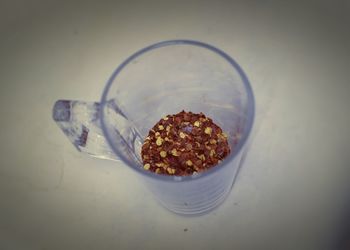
{"x": 208, "y": 130}
{"x": 174, "y": 152}
{"x": 159, "y": 141}
{"x": 189, "y": 163}
{"x": 182, "y": 135}
{"x": 163, "y": 154}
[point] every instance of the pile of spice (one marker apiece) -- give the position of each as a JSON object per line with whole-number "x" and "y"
{"x": 184, "y": 144}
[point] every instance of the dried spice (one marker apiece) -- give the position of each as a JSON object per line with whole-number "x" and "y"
{"x": 184, "y": 144}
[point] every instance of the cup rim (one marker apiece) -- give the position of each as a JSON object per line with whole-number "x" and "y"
{"x": 226, "y": 162}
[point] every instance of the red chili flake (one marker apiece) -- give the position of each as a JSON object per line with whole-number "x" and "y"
{"x": 184, "y": 144}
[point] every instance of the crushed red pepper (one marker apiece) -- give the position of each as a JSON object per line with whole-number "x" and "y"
{"x": 184, "y": 144}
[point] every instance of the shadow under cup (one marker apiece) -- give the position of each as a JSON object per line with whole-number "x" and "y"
{"x": 167, "y": 78}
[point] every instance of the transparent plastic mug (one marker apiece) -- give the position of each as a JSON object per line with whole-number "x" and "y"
{"x": 158, "y": 80}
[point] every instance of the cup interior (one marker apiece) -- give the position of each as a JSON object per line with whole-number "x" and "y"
{"x": 167, "y": 78}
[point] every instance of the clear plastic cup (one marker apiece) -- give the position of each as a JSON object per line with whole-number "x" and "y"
{"x": 158, "y": 80}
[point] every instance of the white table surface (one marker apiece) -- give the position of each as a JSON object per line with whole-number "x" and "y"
{"x": 292, "y": 190}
